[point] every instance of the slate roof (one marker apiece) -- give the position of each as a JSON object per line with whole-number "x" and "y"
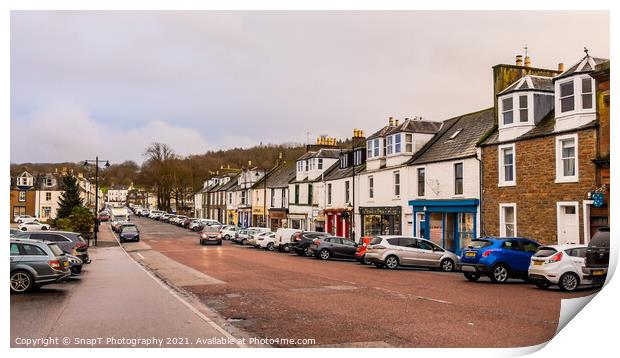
{"x": 281, "y": 177}
{"x": 335, "y": 172}
{"x": 416, "y": 126}
{"x": 328, "y": 153}
{"x": 231, "y": 183}
{"x": 472, "y": 126}
{"x": 307, "y": 155}
{"x": 530, "y": 83}
{"x": 585, "y": 65}
{"x": 380, "y": 133}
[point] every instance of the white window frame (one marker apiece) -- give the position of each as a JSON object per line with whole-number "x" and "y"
{"x": 409, "y": 142}
{"x": 48, "y": 196}
{"x": 502, "y": 218}
{"x": 396, "y": 185}
{"x": 503, "y": 111}
{"x": 500, "y": 161}
{"x": 417, "y": 182}
{"x": 526, "y": 108}
{"x": 591, "y": 93}
{"x": 454, "y": 179}
{"x": 389, "y": 145}
{"x": 371, "y": 187}
{"x": 559, "y": 164}
{"x": 574, "y": 95}
{"x": 398, "y": 143}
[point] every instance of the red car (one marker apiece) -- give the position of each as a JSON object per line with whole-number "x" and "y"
{"x": 360, "y": 252}
{"x": 104, "y": 217}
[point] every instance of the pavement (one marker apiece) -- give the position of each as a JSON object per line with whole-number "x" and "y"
{"x": 289, "y": 300}
{"x": 114, "y": 303}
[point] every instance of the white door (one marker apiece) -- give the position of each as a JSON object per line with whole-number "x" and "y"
{"x": 568, "y": 223}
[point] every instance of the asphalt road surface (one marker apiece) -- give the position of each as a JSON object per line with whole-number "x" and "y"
{"x": 343, "y": 303}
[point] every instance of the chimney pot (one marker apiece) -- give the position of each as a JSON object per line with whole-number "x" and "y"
{"x": 528, "y": 61}
{"x": 396, "y": 121}
{"x": 561, "y": 67}
{"x": 391, "y": 121}
{"x": 519, "y": 60}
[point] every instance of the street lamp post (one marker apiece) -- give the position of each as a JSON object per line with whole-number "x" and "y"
{"x": 107, "y": 164}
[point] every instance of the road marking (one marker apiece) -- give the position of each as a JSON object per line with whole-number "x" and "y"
{"x": 404, "y": 295}
{"x": 183, "y": 301}
{"x": 139, "y": 254}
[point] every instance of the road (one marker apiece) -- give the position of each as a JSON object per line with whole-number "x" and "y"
{"x": 342, "y": 303}
{"x": 114, "y": 303}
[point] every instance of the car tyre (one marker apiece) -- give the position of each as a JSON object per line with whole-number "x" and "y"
{"x": 391, "y": 262}
{"x": 308, "y": 252}
{"x": 499, "y": 274}
{"x": 21, "y": 281}
{"x": 227, "y": 237}
{"x": 324, "y": 254}
{"x": 23, "y": 229}
{"x": 271, "y": 246}
{"x": 569, "y": 282}
{"x": 244, "y": 241}
{"x": 543, "y": 285}
{"x": 44, "y": 228}
{"x": 447, "y": 265}
{"x": 473, "y": 277}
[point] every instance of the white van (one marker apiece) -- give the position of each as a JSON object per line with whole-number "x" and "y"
{"x": 284, "y": 237}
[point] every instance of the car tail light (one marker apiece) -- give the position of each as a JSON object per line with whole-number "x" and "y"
{"x": 486, "y": 253}
{"x": 555, "y": 258}
{"x": 54, "y": 264}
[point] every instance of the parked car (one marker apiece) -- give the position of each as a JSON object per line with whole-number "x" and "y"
{"x": 498, "y": 258}
{"x": 202, "y": 223}
{"x": 242, "y": 236}
{"x": 301, "y": 241}
{"x": 75, "y": 264}
{"x": 104, "y": 216}
{"x": 210, "y": 235}
{"x": 156, "y": 214}
{"x": 229, "y": 231}
{"x": 267, "y": 241}
{"x": 129, "y": 233}
{"x": 325, "y": 248}
{"x": 120, "y": 225}
{"x": 21, "y": 218}
{"x": 558, "y": 265}
{"x": 36, "y": 263}
{"x": 14, "y": 231}
{"x": 597, "y": 257}
{"x": 187, "y": 221}
{"x": 259, "y": 237}
{"x": 33, "y": 226}
{"x": 179, "y": 220}
{"x": 284, "y": 238}
{"x": 392, "y": 251}
{"x": 360, "y": 252}
{"x": 69, "y": 242}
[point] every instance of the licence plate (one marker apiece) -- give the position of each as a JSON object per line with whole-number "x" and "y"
{"x": 598, "y": 273}
{"x": 470, "y": 254}
{"x": 536, "y": 263}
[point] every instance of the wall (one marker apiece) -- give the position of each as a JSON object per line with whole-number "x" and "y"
{"x": 536, "y": 192}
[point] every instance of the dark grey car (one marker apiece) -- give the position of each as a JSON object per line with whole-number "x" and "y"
{"x": 325, "y": 248}
{"x": 36, "y": 263}
{"x": 70, "y": 242}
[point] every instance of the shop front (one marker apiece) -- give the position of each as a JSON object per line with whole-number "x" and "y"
{"x": 277, "y": 218}
{"x": 338, "y": 221}
{"x": 298, "y": 221}
{"x": 449, "y": 223}
{"x": 382, "y": 220}
{"x": 245, "y": 217}
{"x": 231, "y": 217}
{"x": 258, "y": 217}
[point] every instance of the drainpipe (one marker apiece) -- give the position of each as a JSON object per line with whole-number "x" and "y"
{"x": 480, "y": 190}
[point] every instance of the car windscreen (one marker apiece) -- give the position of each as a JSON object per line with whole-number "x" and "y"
{"x": 55, "y": 249}
{"x": 545, "y": 252}
{"x": 600, "y": 239}
{"x": 130, "y": 229}
{"x": 479, "y": 244}
{"x": 210, "y": 229}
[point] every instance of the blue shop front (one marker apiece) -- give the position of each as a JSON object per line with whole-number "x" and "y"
{"x": 449, "y": 223}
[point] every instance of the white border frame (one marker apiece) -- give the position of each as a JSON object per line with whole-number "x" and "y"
{"x": 559, "y": 178}
{"x": 500, "y": 165}
{"x": 502, "y": 219}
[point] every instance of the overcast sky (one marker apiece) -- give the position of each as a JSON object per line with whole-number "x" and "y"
{"x": 110, "y": 83}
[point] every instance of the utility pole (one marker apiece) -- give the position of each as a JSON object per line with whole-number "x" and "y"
{"x": 107, "y": 165}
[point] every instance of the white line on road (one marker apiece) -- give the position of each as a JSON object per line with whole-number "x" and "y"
{"x": 139, "y": 254}
{"x": 187, "y": 304}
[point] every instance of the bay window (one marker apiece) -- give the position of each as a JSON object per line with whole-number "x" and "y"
{"x": 523, "y": 116}
{"x": 507, "y": 114}
{"x": 567, "y": 96}
{"x": 586, "y": 93}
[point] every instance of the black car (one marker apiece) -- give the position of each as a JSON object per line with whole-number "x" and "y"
{"x": 327, "y": 247}
{"x": 129, "y": 233}
{"x": 597, "y": 257}
{"x": 71, "y": 243}
{"x": 302, "y": 240}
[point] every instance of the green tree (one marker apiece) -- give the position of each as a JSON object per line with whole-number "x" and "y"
{"x": 70, "y": 198}
{"x": 80, "y": 220}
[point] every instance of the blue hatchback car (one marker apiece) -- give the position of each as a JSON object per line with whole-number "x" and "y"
{"x": 499, "y": 258}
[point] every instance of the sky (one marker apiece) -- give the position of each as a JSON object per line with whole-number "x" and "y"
{"x": 110, "y": 83}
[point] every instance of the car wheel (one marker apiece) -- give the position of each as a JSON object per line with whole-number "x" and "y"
{"x": 499, "y": 274}
{"x": 244, "y": 241}
{"x": 324, "y": 254}
{"x": 271, "y": 246}
{"x": 43, "y": 228}
{"x": 447, "y": 265}
{"x": 23, "y": 229}
{"x": 226, "y": 237}
{"x": 472, "y": 276}
{"x": 542, "y": 284}
{"x": 569, "y": 282}
{"x": 76, "y": 270}
{"x": 21, "y": 282}
{"x": 308, "y": 252}
{"x": 391, "y": 262}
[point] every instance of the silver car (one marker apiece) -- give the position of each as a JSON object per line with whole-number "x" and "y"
{"x": 36, "y": 263}
{"x": 394, "y": 251}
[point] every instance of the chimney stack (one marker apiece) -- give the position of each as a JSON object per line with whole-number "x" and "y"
{"x": 396, "y": 121}
{"x": 519, "y": 60}
{"x": 391, "y": 121}
{"x": 561, "y": 67}
{"x": 528, "y": 62}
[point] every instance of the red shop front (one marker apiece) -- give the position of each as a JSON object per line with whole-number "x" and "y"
{"x": 338, "y": 221}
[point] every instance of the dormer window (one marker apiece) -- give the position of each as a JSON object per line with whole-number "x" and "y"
{"x": 567, "y": 96}
{"x": 397, "y": 146}
{"x": 586, "y": 93}
{"x": 523, "y": 116}
{"x": 344, "y": 161}
{"x": 389, "y": 148}
{"x": 300, "y": 166}
{"x": 320, "y": 164}
{"x": 409, "y": 143}
{"x": 507, "y": 114}
{"x": 307, "y": 165}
